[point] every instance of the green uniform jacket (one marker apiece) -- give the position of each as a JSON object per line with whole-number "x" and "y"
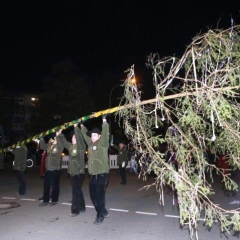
{"x": 20, "y": 158}
{"x": 122, "y": 155}
{"x": 98, "y": 159}
{"x": 54, "y": 156}
{"x": 76, "y": 162}
{"x": 42, "y": 145}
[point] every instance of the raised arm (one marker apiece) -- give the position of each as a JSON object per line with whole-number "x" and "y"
{"x": 84, "y": 134}
{"x": 42, "y": 144}
{"x": 62, "y": 141}
{"x": 59, "y": 142}
{"x": 115, "y": 146}
{"x": 79, "y": 138}
{"x": 105, "y": 132}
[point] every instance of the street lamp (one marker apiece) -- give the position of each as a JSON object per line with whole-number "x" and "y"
{"x": 133, "y": 81}
{"x": 110, "y": 105}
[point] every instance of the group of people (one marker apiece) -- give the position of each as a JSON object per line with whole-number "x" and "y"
{"x": 97, "y": 143}
{"x": 98, "y": 168}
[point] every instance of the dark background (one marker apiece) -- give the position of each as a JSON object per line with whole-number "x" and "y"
{"x": 101, "y": 37}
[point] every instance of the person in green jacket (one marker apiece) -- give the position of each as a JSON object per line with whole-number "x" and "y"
{"x": 122, "y": 159}
{"x": 76, "y": 169}
{"x": 51, "y": 185}
{"x": 98, "y": 167}
{"x": 20, "y": 165}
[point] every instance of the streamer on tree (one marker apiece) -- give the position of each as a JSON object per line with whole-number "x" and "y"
{"x": 196, "y": 106}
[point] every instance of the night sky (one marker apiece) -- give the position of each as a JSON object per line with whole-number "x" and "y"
{"x": 99, "y": 36}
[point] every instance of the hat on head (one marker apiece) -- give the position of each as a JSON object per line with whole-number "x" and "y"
{"x": 95, "y": 130}
{"x": 122, "y": 141}
{"x": 51, "y": 140}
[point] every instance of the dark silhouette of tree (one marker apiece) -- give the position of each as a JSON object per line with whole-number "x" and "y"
{"x": 67, "y": 95}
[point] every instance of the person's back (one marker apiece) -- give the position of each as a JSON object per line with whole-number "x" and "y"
{"x": 122, "y": 160}
{"x": 20, "y": 165}
{"x": 20, "y": 158}
{"x": 54, "y": 156}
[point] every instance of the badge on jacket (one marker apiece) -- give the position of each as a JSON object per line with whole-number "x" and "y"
{"x": 74, "y": 151}
{"x": 54, "y": 150}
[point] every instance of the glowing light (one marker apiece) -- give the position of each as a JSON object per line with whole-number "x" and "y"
{"x": 133, "y": 81}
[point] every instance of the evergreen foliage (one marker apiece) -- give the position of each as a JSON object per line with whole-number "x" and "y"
{"x": 197, "y": 98}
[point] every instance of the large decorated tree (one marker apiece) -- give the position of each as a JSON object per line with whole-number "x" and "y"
{"x": 197, "y": 108}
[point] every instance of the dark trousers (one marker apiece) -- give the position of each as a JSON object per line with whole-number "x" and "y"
{"x": 78, "y": 202}
{"x": 97, "y": 189}
{"x": 51, "y": 186}
{"x": 122, "y": 171}
{"x": 22, "y": 182}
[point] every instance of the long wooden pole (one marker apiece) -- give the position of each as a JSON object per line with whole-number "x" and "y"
{"x": 110, "y": 111}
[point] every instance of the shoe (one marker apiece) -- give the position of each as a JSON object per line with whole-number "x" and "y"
{"x": 99, "y": 220}
{"x": 43, "y": 204}
{"x": 106, "y": 214}
{"x": 52, "y": 203}
{"x": 73, "y": 214}
{"x": 82, "y": 210}
{"x": 41, "y": 198}
{"x": 122, "y": 183}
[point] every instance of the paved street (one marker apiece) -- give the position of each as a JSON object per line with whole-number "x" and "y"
{"x": 134, "y": 213}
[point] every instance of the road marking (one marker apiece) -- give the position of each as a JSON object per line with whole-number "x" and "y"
{"x": 112, "y": 209}
{"x": 118, "y": 210}
{"x": 64, "y": 203}
{"x": 147, "y": 213}
{"x": 173, "y": 216}
{"x": 88, "y": 206}
{"x": 69, "y": 204}
{"x": 9, "y": 198}
{"x": 235, "y": 202}
{"x": 28, "y": 199}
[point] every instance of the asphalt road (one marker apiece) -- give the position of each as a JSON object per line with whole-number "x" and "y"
{"x": 134, "y": 213}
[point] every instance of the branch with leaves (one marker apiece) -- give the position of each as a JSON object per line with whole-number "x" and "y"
{"x": 197, "y": 101}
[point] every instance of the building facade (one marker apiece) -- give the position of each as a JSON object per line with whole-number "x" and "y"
{"x": 23, "y": 104}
